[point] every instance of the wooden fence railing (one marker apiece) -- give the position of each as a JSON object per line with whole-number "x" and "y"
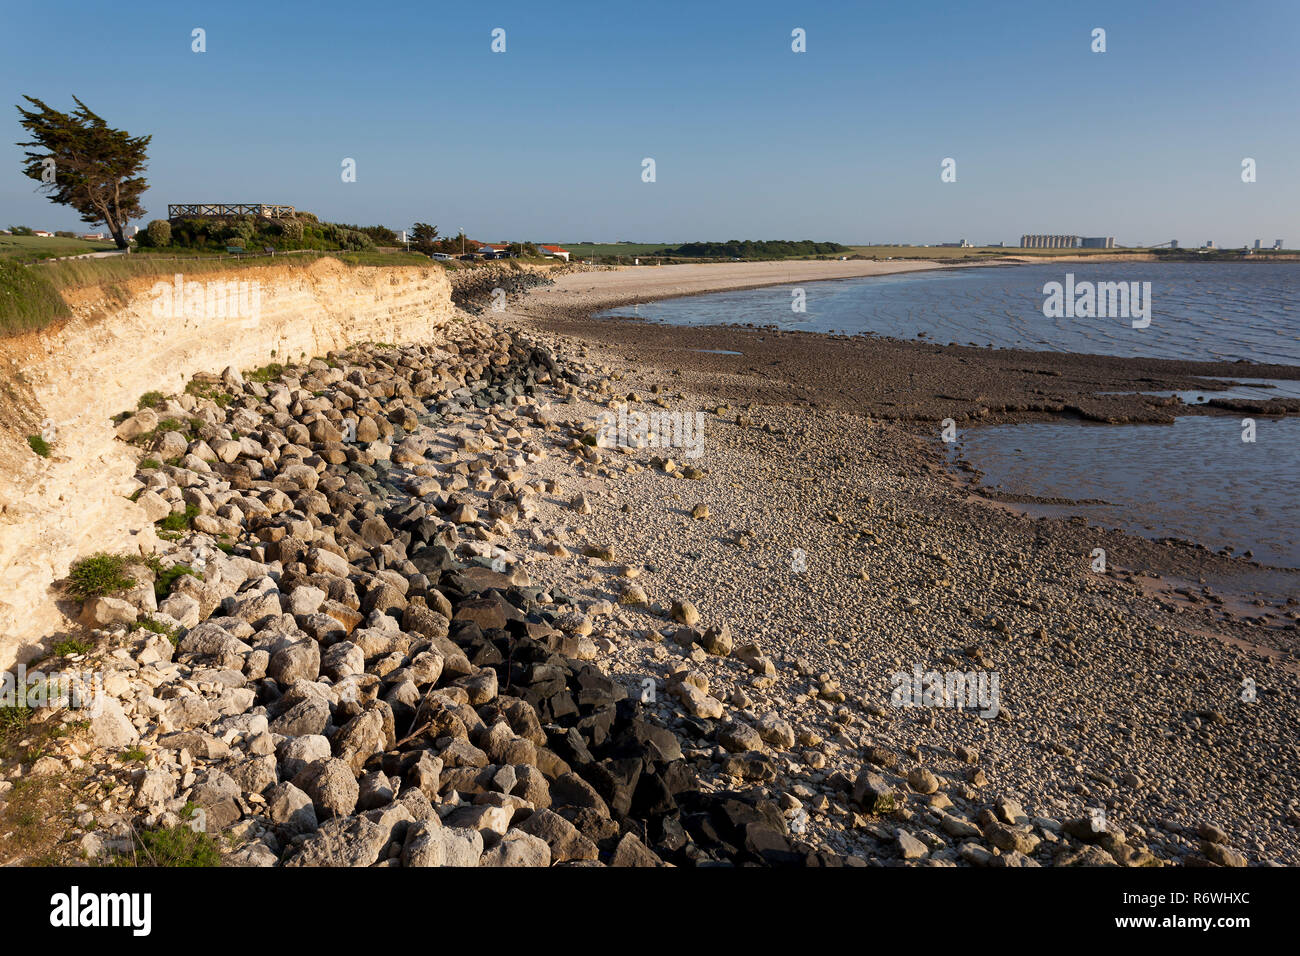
{"x": 221, "y": 210}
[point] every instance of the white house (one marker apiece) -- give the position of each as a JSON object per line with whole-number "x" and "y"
{"x": 555, "y": 251}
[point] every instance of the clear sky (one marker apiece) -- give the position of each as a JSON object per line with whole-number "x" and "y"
{"x": 750, "y": 139}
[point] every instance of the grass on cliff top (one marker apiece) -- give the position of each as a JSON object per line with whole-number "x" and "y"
{"x": 77, "y": 273}
{"x": 28, "y": 299}
{"x": 27, "y": 248}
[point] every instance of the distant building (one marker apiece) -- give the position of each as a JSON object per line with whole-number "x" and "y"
{"x": 1259, "y": 243}
{"x": 42, "y": 232}
{"x": 1048, "y": 242}
{"x": 1209, "y": 244}
{"x": 1173, "y": 243}
{"x": 1277, "y": 244}
{"x": 960, "y": 244}
{"x": 1098, "y": 242}
{"x": 555, "y": 251}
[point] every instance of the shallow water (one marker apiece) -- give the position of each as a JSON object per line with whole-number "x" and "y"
{"x": 1194, "y": 479}
{"x": 1261, "y": 389}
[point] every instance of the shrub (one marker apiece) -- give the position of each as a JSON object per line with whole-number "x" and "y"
{"x": 355, "y": 241}
{"x": 157, "y": 627}
{"x": 159, "y": 232}
{"x": 14, "y": 718}
{"x": 39, "y": 445}
{"x": 172, "y": 846}
{"x": 97, "y": 575}
{"x": 166, "y": 577}
{"x": 179, "y": 520}
{"x": 149, "y": 400}
{"x": 291, "y": 229}
{"x": 71, "y": 646}
{"x": 266, "y": 373}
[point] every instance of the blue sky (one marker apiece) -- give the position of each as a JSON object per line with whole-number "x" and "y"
{"x": 750, "y": 140}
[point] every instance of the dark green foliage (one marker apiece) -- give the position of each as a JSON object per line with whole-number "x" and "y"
{"x": 99, "y": 574}
{"x": 750, "y": 249}
{"x": 96, "y": 168}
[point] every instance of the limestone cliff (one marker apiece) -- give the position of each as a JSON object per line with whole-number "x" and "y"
{"x": 72, "y": 379}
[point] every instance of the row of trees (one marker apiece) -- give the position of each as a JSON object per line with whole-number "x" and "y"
{"x": 751, "y": 249}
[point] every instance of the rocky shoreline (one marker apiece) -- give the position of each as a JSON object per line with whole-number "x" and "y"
{"x": 361, "y": 680}
{"x": 426, "y": 615}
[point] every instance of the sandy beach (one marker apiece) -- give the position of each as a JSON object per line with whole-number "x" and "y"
{"x": 643, "y": 283}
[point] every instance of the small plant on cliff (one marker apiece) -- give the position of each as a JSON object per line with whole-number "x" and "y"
{"x": 164, "y": 578}
{"x": 157, "y": 627}
{"x": 266, "y": 373}
{"x": 150, "y": 400}
{"x": 72, "y": 646}
{"x": 146, "y": 463}
{"x": 210, "y": 392}
{"x": 13, "y": 719}
{"x": 170, "y": 846}
{"x": 97, "y": 575}
{"x": 39, "y": 445}
{"x": 179, "y": 520}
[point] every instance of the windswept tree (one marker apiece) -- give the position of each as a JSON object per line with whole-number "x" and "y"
{"x": 423, "y": 237}
{"x": 82, "y": 162}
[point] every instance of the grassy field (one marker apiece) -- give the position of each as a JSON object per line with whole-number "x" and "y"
{"x": 27, "y": 248}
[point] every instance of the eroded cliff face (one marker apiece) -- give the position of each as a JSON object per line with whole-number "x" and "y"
{"x": 71, "y": 380}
